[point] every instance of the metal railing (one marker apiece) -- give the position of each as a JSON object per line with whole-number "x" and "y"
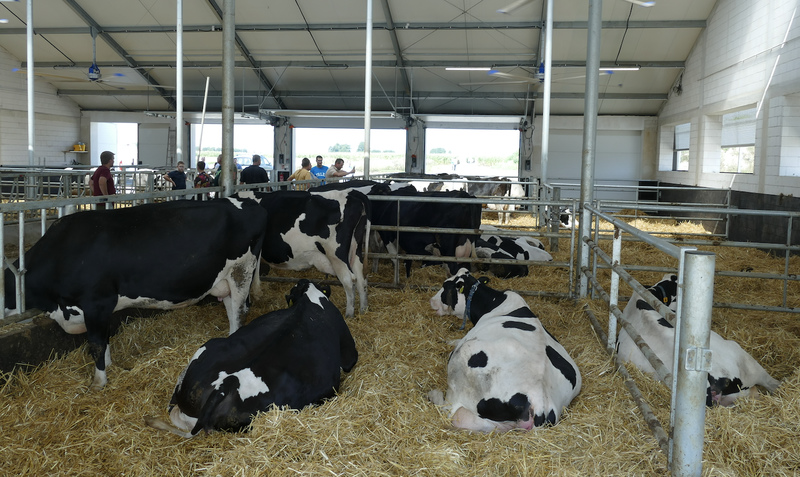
{"x": 692, "y": 331}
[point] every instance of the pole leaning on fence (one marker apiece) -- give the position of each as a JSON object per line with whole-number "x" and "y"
{"x": 694, "y": 363}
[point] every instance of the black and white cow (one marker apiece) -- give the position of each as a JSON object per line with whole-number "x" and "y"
{"x": 500, "y": 187}
{"x": 492, "y": 245}
{"x": 90, "y": 264}
{"x": 455, "y": 215}
{"x": 734, "y": 373}
{"x": 290, "y": 357}
{"x": 507, "y": 372}
{"x": 324, "y": 230}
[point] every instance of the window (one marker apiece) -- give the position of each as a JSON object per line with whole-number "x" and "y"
{"x": 680, "y": 149}
{"x": 738, "y": 142}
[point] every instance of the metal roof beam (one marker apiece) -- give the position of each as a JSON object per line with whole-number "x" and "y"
{"x": 356, "y": 95}
{"x": 268, "y": 86}
{"x": 355, "y": 64}
{"x": 578, "y": 25}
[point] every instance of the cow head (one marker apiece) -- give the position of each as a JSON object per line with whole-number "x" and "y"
{"x": 666, "y": 291}
{"x": 306, "y": 288}
{"x": 451, "y": 299}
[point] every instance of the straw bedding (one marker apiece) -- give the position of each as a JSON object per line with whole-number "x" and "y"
{"x": 381, "y": 422}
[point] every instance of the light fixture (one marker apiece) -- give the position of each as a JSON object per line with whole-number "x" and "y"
{"x": 467, "y": 68}
{"x": 619, "y": 68}
{"x": 3, "y": 20}
{"x": 297, "y": 113}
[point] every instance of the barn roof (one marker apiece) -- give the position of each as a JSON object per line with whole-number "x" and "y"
{"x": 310, "y": 55}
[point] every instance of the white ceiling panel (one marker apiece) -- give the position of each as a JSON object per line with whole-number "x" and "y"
{"x": 311, "y": 54}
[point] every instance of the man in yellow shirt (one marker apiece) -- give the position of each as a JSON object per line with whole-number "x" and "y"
{"x": 302, "y": 174}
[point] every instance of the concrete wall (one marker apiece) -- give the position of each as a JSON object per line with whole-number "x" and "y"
{"x": 57, "y": 120}
{"x": 748, "y": 57}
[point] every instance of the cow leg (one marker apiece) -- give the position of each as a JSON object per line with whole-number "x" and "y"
{"x": 345, "y": 277}
{"x": 239, "y": 282}
{"x": 99, "y": 350}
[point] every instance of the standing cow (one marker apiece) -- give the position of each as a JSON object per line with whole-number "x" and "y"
{"x": 734, "y": 373}
{"x": 455, "y": 214}
{"x": 507, "y": 372}
{"x": 93, "y": 263}
{"x": 324, "y": 230}
{"x": 290, "y": 357}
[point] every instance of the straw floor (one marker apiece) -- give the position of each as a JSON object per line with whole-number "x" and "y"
{"x": 381, "y": 422}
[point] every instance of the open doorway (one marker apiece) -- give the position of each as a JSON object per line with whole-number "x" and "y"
{"x": 472, "y": 152}
{"x": 388, "y": 148}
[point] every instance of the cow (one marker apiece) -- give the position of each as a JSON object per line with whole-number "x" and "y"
{"x": 324, "y": 230}
{"x": 456, "y": 215}
{"x": 492, "y": 245}
{"x": 290, "y": 357}
{"x": 90, "y": 264}
{"x": 734, "y": 373}
{"x": 500, "y": 187}
{"x": 507, "y": 372}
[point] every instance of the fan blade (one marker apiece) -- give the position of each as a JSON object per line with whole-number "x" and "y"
{"x": 477, "y": 83}
{"x": 641, "y": 3}
{"x": 520, "y": 78}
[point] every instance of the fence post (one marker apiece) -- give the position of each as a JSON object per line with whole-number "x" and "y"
{"x": 694, "y": 362}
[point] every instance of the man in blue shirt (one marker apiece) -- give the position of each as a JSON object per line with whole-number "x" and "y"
{"x": 319, "y": 171}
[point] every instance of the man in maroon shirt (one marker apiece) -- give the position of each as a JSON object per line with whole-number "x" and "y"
{"x": 102, "y": 183}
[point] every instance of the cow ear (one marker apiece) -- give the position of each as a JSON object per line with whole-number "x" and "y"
{"x": 484, "y": 280}
{"x": 461, "y": 290}
{"x": 665, "y": 300}
{"x": 326, "y": 290}
{"x": 289, "y": 300}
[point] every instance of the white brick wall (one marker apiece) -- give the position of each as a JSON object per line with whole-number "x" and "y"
{"x": 57, "y": 120}
{"x": 748, "y": 56}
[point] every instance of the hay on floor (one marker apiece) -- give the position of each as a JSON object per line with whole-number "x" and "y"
{"x": 381, "y": 422}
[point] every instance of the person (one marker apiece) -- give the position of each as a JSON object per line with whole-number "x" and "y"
{"x": 319, "y": 170}
{"x": 177, "y": 177}
{"x": 202, "y": 179}
{"x": 302, "y": 174}
{"x": 217, "y": 171}
{"x": 102, "y": 183}
{"x": 335, "y": 171}
{"x": 254, "y": 173}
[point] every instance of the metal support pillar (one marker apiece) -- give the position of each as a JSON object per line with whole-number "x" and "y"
{"x": 694, "y": 362}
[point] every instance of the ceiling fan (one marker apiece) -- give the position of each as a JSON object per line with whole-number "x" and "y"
{"x": 93, "y": 75}
{"x": 537, "y": 78}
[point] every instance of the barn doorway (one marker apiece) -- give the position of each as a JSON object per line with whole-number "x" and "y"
{"x": 472, "y": 152}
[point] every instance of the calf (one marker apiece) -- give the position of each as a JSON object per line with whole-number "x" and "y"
{"x": 508, "y": 371}
{"x": 492, "y": 245}
{"x": 90, "y": 264}
{"x": 324, "y": 230}
{"x": 290, "y": 357}
{"x": 734, "y": 373}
